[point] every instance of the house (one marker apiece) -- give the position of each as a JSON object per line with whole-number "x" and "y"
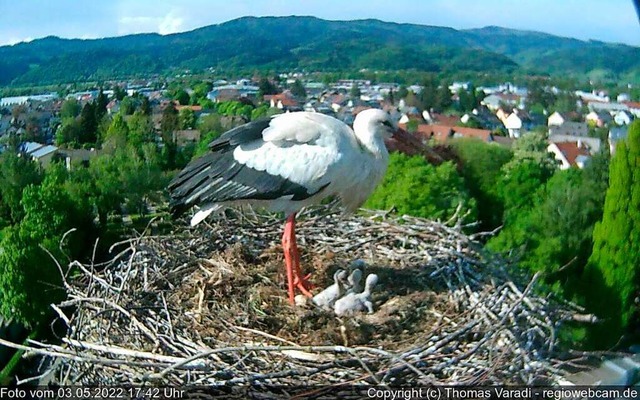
{"x": 591, "y": 143}
{"x": 492, "y": 102}
{"x": 41, "y": 153}
{"x": 607, "y": 107}
{"x": 513, "y": 123}
{"x": 442, "y": 133}
{"x": 622, "y": 118}
{"x": 113, "y": 107}
{"x": 557, "y": 119}
{"x": 569, "y": 154}
{"x": 580, "y": 129}
{"x": 74, "y": 156}
{"x": 615, "y": 135}
{"x": 223, "y": 94}
{"x": 439, "y": 119}
{"x": 599, "y": 119}
{"x": 634, "y": 108}
{"x": 283, "y": 101}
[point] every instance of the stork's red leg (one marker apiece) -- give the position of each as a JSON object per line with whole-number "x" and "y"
{"x": 288, "y": 258}
{"x": 292, "y": 260}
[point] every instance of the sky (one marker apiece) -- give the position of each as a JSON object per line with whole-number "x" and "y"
{"x": 25, "y": 20}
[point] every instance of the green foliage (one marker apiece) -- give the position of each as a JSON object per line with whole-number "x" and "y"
{"x": 417, "y": 188}
{"x": 127, "y": 105}
{"x": 613, "y": 267}
{"x": 16, "y": 173}
{"x": 532, "y": 147}
{"x": 482, "y": 170}
{"x": 298, "y": 90}
{"x": 203, "y": 145}
{"x": 314, "y": 45}
{"x": 88, "y": 124}
{"x": 402, "y": 92}
{"x": 548, "y": 226}
{"x": 201, "y": 89}
{"x": 119, "y": 93}
{"x": 259, "y": 112}
{"x": 182, "y": 96}
{"x": 117, "y": 133}
{"x": 355, "y": 91}
{"x": 170, "y": 121}
{"x": 266, "y": 87}
{"x": 29, "y": 278}
{"x": 70, "y": 109}
{"x": 187, "y": 119}
{"x": 140, "y": 129}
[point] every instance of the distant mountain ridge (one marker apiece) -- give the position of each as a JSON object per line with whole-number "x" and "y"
{"x": 314, "y": 44}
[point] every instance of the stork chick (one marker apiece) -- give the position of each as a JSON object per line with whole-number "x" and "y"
{"x": 328, "y": 297}
{"x": 353, "y": 302}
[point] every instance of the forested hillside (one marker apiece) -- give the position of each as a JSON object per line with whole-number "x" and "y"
{"x": 316, "y": 44}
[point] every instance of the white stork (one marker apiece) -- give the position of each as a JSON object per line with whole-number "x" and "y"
{"x": 283, "y": 164}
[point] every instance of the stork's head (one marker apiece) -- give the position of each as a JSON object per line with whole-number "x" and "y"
{"x": 376, "y": 122}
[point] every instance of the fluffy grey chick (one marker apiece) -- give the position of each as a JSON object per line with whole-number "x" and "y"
{"x": 328, "y": 297}
{"x": 354, "y": 282}
{"x": 354, "y": 302}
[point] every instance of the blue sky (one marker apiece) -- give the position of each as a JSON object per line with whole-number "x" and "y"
{"x": 607, "y": 20}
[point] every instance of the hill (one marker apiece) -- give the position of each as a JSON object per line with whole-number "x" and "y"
{"x": 315, "y": 44}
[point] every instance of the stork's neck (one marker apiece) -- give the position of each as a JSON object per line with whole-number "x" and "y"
{"x": 370, "y": 141}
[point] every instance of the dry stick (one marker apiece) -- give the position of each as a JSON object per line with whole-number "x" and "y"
{"x": 130, "y": 353}
{"x": 115, "y": 306}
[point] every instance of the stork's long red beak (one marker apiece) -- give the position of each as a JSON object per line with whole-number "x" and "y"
{"x": 409, "y": 144}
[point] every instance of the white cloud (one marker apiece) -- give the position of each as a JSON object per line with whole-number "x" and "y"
{"x": 172, "y": 22}
{"x": 13, "y": 40}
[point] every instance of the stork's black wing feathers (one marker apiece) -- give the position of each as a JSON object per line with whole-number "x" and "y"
{"x": 217, "y": 176}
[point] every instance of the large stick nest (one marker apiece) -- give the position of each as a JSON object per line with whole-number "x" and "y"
{"x": 208, "y": 306}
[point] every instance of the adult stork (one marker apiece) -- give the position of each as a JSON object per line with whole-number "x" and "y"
{"x": 283, "y": 164}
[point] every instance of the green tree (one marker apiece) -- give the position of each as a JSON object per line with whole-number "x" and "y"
{"x": 170, "y": 121}
{"x": 613, "y": 267}
{"x": 182, "y": 97}
{"x": 127, "y": 105}
{"x": 16, "y": 173}
{"x": 117, "y": 134}
{"x": 187, "y": 119}
{"x": 29, "y": 278}
{"x": 298, "y": 90}
{"x": 259, "y": 112}
{"x": 265, "y": 87}
{"x": 402, "y": 92}
{"x": 68, "y": 133}
{"x": 443, "y": 97}
{"x": 70, "y": 109}
{"x": 88, "y": 124}
{"x": 145, "y": 106}
{"x": 202, "y": 89}
{"x": 101, "y": 105}
{"x": 119, "y": 93}
{"x": 355, "y": 91}
{"x": 417, "y": 188}
{"x": 481, "y": 169}
{"x": 140, "y": 129}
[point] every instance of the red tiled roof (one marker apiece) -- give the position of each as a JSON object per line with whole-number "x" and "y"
{"x": 632, "y": 104}
{"x": 571, "y": 151}
{"x": 441, "y": 119}
{"x": 482, "y": 134}
{"x": 441, "y": 133}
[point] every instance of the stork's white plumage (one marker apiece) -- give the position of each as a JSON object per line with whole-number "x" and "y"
{"x": 285, "y": 163}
